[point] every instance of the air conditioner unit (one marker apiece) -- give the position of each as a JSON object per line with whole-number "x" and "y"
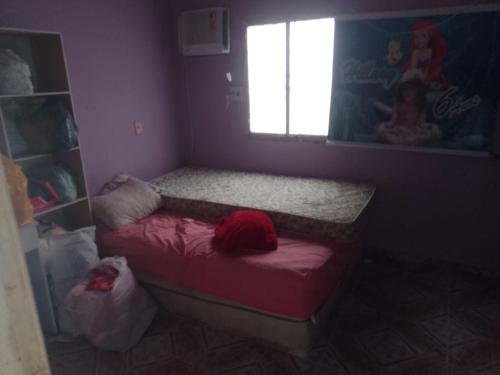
{"x": 204, "y": 32}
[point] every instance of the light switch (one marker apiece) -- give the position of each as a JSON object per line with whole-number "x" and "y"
{"x": 138, "y": 128}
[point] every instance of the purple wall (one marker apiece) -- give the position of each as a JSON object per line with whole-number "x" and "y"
{"x": 123, "y": 66}
{"x": 427, "y": 205}
{"x": 119, "y": 62}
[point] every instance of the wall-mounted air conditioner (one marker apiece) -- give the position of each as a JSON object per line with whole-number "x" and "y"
{"x": 204, "y": 32}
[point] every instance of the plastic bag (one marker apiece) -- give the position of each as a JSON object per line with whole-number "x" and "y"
{"x": 45, "y": 125}
{"x": 58, "y": 177}
{"x": 42, "y": 195}
{"x": 17, "y": 143}
{"x": 18, "y": 188}
{"x": 67, "y": 258}
{"x": 15, "y": 74}
{"x": 37, "y": 125}
{"x": 114, "y": 320}
{"x": 66, "y": 135}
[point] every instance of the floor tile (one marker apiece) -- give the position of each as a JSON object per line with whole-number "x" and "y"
{"x": 393, "y": 319}
{"x": 387, "y": 346}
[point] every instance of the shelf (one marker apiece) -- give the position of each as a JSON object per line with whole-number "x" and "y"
{"x": 44, "y": 55}
{"x": 60, "y": 206}
{"x": 15, "y": 31}
{"x": 36, "y": 94}
{"x": 21, "y": 159}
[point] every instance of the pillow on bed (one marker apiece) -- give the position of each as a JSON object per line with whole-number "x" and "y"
{"x": 131, "y": 201}
{"x": 247, "y": 229}
{"x": 114, "y": 183}
{"x": 119, "y": 180}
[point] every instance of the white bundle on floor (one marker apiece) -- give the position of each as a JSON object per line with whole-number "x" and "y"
{"x": 114, "y": 320}
{"x": 67, "y": 257}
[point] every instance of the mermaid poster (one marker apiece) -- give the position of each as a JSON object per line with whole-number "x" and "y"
{"x": 429, "y": 82}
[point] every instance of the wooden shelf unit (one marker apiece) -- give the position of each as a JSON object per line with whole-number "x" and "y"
{"x": 27, "y": 158}
{"x": 44, "y": 53}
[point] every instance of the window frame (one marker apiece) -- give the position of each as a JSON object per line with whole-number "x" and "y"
{"x": 278, "y": 136}
{"x": 286, "y": 137}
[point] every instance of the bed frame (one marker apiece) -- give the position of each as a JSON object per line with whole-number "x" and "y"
{"x": 293, "y": 335}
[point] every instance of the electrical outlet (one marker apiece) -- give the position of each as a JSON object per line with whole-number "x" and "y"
{"x": 235, "y": 93}
{"x": 138, "y": 128}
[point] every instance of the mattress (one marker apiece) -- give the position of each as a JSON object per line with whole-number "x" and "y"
{"x": 294, "y": 280}
{"x": 311, "y": 208}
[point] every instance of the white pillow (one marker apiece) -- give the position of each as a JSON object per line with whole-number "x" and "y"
{"x": 119, "y": 180}
{"x": 131, "y": 201}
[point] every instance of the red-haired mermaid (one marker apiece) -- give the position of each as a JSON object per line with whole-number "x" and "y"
{"x": 428, "y": 51}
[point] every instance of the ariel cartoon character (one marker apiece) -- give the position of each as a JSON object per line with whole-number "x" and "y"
{"x": 408, "y": 125}
{"x": 428, "y": 51}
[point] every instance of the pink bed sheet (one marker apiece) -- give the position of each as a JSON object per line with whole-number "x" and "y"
{"x": 294, "y": 280}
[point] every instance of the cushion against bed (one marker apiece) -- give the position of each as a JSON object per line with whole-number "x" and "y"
{"x": 294, "y": 280}
{"x": 246, "y": 229}
{"x": 128, "y": 203}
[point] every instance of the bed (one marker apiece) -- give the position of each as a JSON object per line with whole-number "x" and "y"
{"x": 284, "y": 296}
{"x": 319, "y": 209}
{"x": 178, "y": 256}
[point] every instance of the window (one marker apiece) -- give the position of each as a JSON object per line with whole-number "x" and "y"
{"x": 290, "y": 77}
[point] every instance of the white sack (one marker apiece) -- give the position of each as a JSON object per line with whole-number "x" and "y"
{"x": 114, "y": 320}
{"x": 67, "y": 257}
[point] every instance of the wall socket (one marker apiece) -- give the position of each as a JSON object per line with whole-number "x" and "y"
{"x": 138, "y": 128}
{"x": 235, "y": 93}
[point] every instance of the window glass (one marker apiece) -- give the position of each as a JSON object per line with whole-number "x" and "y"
{"x": 311, "y": 62}
{"x": 267, "y": 78}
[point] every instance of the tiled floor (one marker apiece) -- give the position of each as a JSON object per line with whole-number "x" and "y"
{"x": 394, "y": 319}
